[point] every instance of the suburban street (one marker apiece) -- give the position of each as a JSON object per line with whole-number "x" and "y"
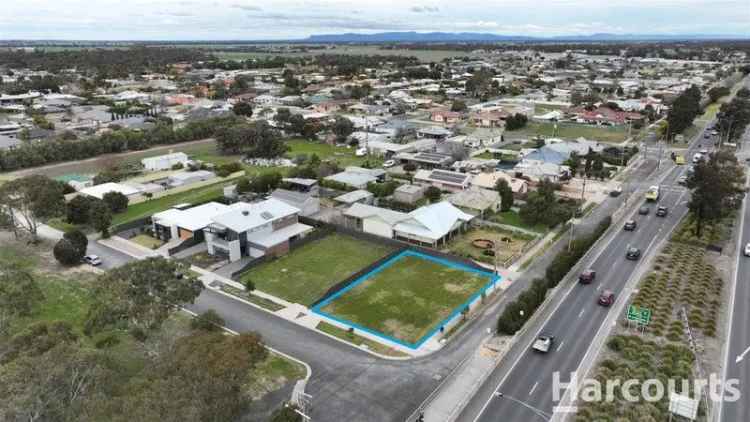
{"x": 527, "y": 376}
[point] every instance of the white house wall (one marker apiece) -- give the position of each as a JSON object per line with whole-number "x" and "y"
{"x": 377, "y": 227}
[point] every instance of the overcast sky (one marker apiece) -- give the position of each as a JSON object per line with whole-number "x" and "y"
{"x": 287, "y": 19}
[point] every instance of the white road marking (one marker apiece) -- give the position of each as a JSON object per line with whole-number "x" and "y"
{"x": 581, "y": 313}
{"x": 534, "y": 387}
{"x": 742, "y": 355}
{"x": 560, "y": 346}
{"x": 598, "y": 287}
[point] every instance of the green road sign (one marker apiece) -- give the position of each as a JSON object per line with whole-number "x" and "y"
{"x": 639, "y": 315}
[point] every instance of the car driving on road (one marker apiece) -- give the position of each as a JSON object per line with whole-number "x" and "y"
{"x": 543, "y": 343}
{"x": 587, "y": 276}
{"x": 92, "y": 260}
{"x": 662, "y": 211}
{"x": 747, "y": 249}
{"x": 629, "y": 225}
{"x": 607, "y": 298}
{"x": 644, "y": 210}
{"x": 633, "y": 254}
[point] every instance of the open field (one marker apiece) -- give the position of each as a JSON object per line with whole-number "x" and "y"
{"x": 195, "y": 196}
{"x": 569, "y": 131}
{"x": 306, "y": 273}
{"x": 512, "y": 218}
{"x": 406, "y": 298}
{"x": 423, "y": 55}
{"x": 507, "y": 244}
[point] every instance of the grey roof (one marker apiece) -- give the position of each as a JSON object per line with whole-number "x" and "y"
{"x": 6, "y": 142}
{"x": 353, "y": 196}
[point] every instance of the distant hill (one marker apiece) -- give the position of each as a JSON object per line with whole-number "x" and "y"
{"x": 438, "y": 37}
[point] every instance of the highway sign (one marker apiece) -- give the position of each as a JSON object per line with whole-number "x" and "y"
{"x": 639, "y": 315}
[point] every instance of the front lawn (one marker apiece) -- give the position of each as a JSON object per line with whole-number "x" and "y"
{"x": 512, "y": 218}
{"x": 407, "y": 299}
{"x": 306, "y": 273}
{"x": 149, "y": 207}
{"x": 147, "y": 241}
{"x": 572, "y": 131}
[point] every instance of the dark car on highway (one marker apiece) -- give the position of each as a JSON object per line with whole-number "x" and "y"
{"x": 644, "y": 210}
{"x": 629, "y": 225}
{"x": 607, "y": 298}
{"x": 633, "y": 254}
{"x": 662, "y": 211}
{"x": 587, "y": 276}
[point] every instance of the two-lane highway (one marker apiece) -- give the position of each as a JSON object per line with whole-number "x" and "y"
{"x": 577, "y": 318}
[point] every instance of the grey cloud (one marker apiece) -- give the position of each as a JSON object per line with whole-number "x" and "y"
{"x": 425, "y": 9}
{"x": 247, "y": 7}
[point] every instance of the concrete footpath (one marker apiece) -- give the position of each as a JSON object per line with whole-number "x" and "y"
{"x": 460, "y": 386}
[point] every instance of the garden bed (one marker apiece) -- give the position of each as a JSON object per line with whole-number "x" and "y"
{"x": 507, "y": 244}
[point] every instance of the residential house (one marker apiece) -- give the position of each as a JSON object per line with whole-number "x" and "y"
{"x": 188, "y": 177}
{"x": 488, "y": 180}
{"x": 8, "y": 143}
{"x": 302, "y": 194}
{"x": 488, "y": 119}
{"x": 164, "y": 162}
{"x": 184, "y": 223}
{"x": 409, "y": 194}
{"x": 426, "y": 159}
{"x": 443, "y": 179}
{"x": 476, "y": 201}
{"x": 357, "y": 196}
{"x": 429, "y": 225}
{"x": 445, "y": 116}
{"x": 358, "y": 177}
{"x": 255, "y": 230}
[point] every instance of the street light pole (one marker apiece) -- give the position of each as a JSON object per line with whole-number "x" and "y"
{"x": 539, "y": 412}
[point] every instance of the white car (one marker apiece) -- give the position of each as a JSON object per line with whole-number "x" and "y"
{"x": 92, "y": 260}
{"x": 389, "y": 163}
{"x": 361, "y": 152}
{"x": 747, "y": 249}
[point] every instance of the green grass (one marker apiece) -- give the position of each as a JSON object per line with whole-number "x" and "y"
{"x": 344, "y": 156}
{"x": 306, "y": 273}
{"x": 147, "y": 241}
{"x": 209, "y": 153}
{"x": 407, "y": 299}
{"x": 572, "y": 131}
{"x": 149, "y": 207}
{"x": 426, "y": 56}
{"x": 63, "y": 301}
{"x": 358, "y": 340}
{"x": 512, "y": 218}
{"x": 256, "y": 300}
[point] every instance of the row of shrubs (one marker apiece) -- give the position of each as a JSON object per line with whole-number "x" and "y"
{"x": 520, "y": 310}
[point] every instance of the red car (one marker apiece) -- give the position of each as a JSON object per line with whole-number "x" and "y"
{"x": 607, "y": 298}
{"x": 587, "y": 276}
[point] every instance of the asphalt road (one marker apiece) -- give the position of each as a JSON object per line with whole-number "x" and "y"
{"x": 526, "y": 376}
{"x": 737, "y": 355}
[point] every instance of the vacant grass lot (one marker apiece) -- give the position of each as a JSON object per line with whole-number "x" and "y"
{"x": 572, "y": 131}
{"x": 512, "y": 218}
{"x": 343, "y": 155}
{"x": 408, "y": 299}
{"x": 150, "y": 207}
{"x": 305, "y": 274}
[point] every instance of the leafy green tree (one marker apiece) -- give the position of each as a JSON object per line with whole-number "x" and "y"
{"x": 141, "y": 295}
{"x": 19, "y": 294}
{"x": 342, "y": 128}
{"x": 506, "y": 194}
{"x": 683, "y": 111}
{"x": 78, "y": 239}
{"x": 207, "y": 321}
{"x": 77, "y": 209}
{"x": 459, "y": 106}
{"x": 433, "y": 194}
{"x": 116, "y": 201}
{"x": 100, "y": 217}
{"x": 717, "y": 186}
{"x": 33, "y": 199}
{"x": 243, "y": 108}
{"x": 67, "y": 253}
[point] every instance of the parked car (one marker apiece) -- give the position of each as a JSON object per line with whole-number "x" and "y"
{"x": 644, "y": 210}
{"x": 630, "y": 225}
{"x": 543, "y": 343}
{"x": 680, "y": 160}
{"x": 747, "y": 249}
{"x": 662, "y": 211}
{"x": 607, "y": 298}
{"x": 633, "y": 254}
{"x": 360, "y": 152}
{"x": 682, "y": 180}
{"x": 615, "y": 192}
{"x": 389, "y": 163}
{"x": 704, "y": 151}
{"x": 92, "y": 260}
{"x": 587, "y": 276}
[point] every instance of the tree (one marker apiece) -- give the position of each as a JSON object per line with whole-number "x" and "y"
{"x": 265, "y": 142}
{"x": 141, "y": 295}
{"x": 78, "y": 239}
{"x": 116, "y": 201}
{"x": 33, "y": 199}
{"x": 243, "y": 108}
{"x": 207, "y": 321}
{"x": 717, "y": 186}
{"x": 342, "y": 128}
{"x": 506, "y": 194}
{"x": 100, "y": 217}
{"x": 67, "y": 253}
{"x": 683, "y": 111}
{"x": 516, "y": 121}
{"x": 296, "y": 124}
{"x": 433, "y": 194}
{"x": 459, "y": 106}
{"x": 541, "y": 206}
{"x": 410, "y": 167}
{"x": 19, "y": 294}
{"x": 77, "y": 209}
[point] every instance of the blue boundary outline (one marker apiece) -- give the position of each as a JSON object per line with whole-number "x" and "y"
{"x": 494, "y": 278}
